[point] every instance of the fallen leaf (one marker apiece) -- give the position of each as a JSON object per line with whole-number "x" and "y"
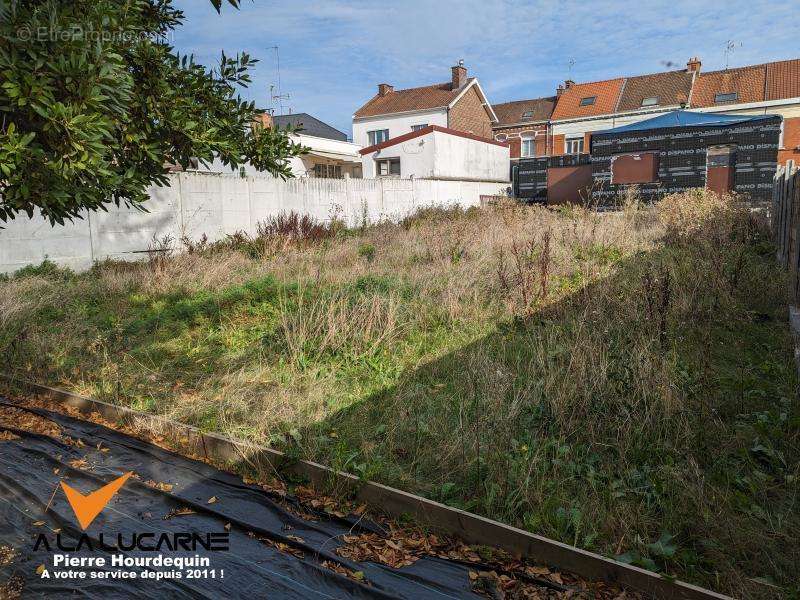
{"x": 212, "y": 500}
{"x": 40, "y": 569}
{"x": 38, "y": 523}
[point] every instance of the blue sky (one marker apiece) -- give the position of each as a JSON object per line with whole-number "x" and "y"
{"x": 333, "y": 53}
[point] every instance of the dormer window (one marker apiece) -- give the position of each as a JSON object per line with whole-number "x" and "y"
{"x": 651, "y": 101}
{"x": 726, "y": 97}
{"x": 528, "y": 114}
{"x": 588, "y": 101}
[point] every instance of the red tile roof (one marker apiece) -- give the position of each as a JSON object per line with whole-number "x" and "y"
{"x": 747, "y": 82}
{"x": 568, "y": 105}
{"x": 511, "y": 113}
{"x": 420, "y": 98}
{"x": 783, "y": 79}
{"x": 425, "y": 131}
{"x": 670, "y": 88}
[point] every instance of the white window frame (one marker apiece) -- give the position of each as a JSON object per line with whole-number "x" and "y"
{"x": 656, "y": 103}
{"x": 579, "y": 141}
{"x": 531, "y": 139}
{"x": 501, "y": 137}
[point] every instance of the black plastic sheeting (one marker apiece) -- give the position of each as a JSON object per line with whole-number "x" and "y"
{"x": 252, "y": 568}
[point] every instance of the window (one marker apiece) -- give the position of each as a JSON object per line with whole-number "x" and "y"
{"x": 377, "y": 136}
{"x": 388, "y": 167}
{"x": 726, "y": 97}
{"x": 501, "y": 137}
{"x": 328, "y": 171}
{"x": 588, "y": 101}
{"x": 528, "y": 114}
{"x": 651, "y": 101}
{"x": 528, "y": 147}
{"x": 574, "y": 146}
{"x": 418, "y": 127}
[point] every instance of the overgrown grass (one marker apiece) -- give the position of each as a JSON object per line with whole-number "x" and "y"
{"x": 622, "y": 382}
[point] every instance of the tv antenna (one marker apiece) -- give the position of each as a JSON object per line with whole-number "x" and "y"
{"x": 279, "y": 97}
{"x": 730, "y": 46}
{"x": 570, "y": 64}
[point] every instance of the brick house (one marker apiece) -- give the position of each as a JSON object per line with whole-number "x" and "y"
{"x": 766, "y": 89}
{"x": 582, "y": 108}
{"x": 524, "y": 126}
{"x": 459, "y": 104}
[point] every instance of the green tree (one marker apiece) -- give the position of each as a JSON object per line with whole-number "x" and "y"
{"x": 94, "y": 102}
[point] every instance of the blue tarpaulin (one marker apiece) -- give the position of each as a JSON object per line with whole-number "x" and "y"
{"x": 685, "y": 118}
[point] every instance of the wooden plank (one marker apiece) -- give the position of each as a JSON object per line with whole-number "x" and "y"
{"x": 793, "y": 249}
{"x": 794, "y": 265}
{"x": 472, "y": 528}
{"x": 787, "y": 217}
{"x": 775, "y": 204}
{"x": 778, "y": 216}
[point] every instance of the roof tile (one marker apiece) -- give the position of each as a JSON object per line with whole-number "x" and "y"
{"x": 510, "y": 113}
{"x": 671, "y": 88}
{"x": 747, "y": 82}
{"x": 568, "y": 105}
{"x": 783, "y": 79}
{"x": 419, "y": 98}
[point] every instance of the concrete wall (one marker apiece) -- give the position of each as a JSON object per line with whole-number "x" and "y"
{"x": 398, "y": 124}
{"x": 440, "y": 155}
{"x": 217, "y": 205}
{"x": 458, "y": 157}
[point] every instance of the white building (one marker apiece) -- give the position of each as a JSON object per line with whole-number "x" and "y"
{"x": 330, "y": 154}
{"x": 435, "y": 152}
{"x": 458, "y": 104}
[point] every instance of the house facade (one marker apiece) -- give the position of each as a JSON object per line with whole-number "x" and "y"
{"x": 524, "y": 125}
{"x": 440, "y": 153}
{"x": 459, "y": 104}
{"x": 583, "y": 108}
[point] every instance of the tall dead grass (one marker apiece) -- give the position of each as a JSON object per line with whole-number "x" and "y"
{"x": 552, "y": 368}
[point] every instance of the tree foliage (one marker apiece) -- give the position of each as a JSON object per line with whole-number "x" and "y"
{"x": 94, "y": 102}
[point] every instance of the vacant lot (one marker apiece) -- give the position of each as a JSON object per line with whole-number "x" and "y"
{"x": 622, "y": 382}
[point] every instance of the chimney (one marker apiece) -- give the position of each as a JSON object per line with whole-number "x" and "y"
{"x": 568, "y": 83}
{"x": 559, "y": 90}
{"x": 459, "y": 74}
{"x": 263, "y": 120}
{"x": 384, "y": 88}
{"x": 693, "y": 66}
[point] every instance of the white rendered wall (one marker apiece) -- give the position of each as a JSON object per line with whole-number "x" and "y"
{"x": 397, "y": 125}
{"x": 439, "y": 155}
{"x": 215, "y": 205}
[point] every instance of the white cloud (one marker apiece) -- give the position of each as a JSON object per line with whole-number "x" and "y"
{"x": 333, "y": 53}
